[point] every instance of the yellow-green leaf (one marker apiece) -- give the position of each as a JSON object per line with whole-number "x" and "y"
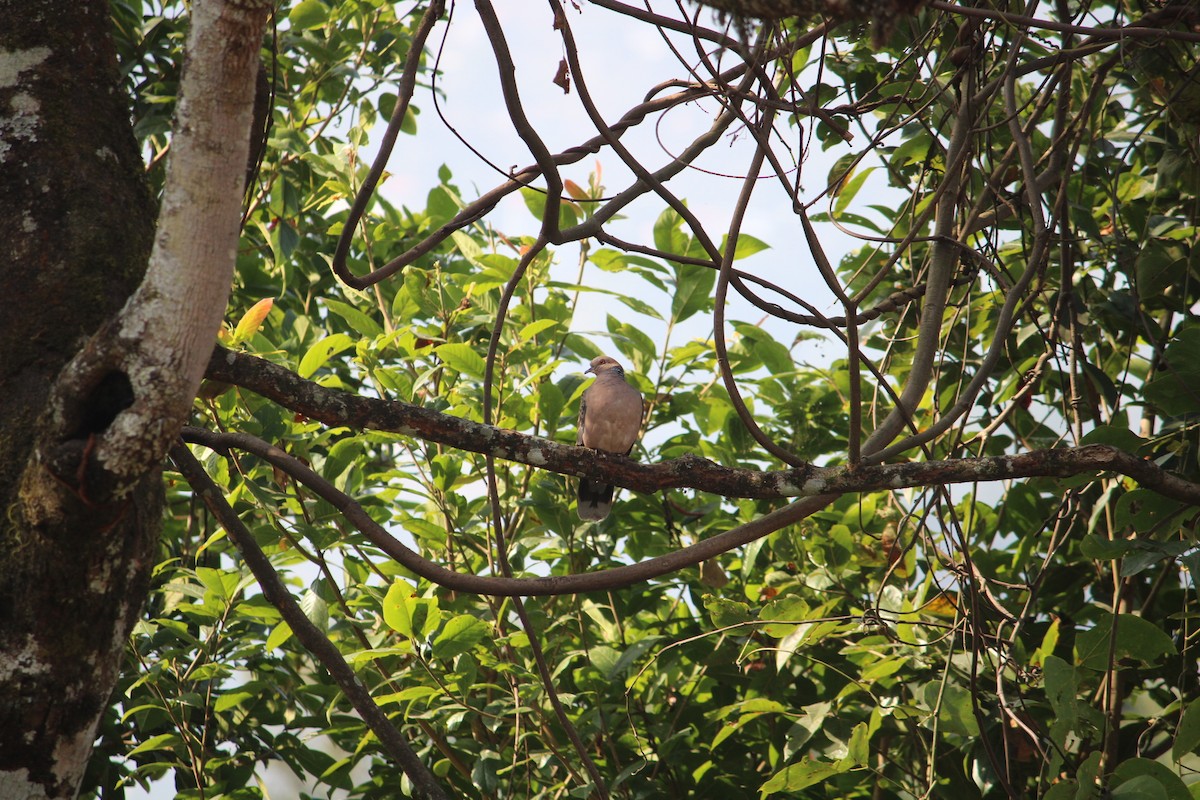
{"x": 252, "y": 320}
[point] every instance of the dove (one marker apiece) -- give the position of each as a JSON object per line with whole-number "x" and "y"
{"x": 610, "y": 418}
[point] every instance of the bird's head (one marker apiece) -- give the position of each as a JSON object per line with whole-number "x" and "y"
{"x": 602, "y": 364}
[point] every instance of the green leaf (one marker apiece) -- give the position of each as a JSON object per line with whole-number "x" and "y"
{"x": 788, "y": 609}
{"x": 534, "y": 328}
{"x": 633, "y": 653}
{"x": 1161, "y": 264}
{"x": 840, "y": 173}
{"x": 774, "y": 356}
{"x": 163, "y": 741}
{"x": 234, "y": 699}
{"x": 858, "y": 749}
{"x": 461, "y": 358}
{"x": 408, "y": 695}
{"x": 611, "y": 260}
{"x": 1138, "y": 554}
{"x": 535, "y": 201}
{"x": 955, "y": 708}
{"x": 442, "y": 204}
{"x": 309, "y": 14}
{"x": 849, "y": 189}
{"x": 812, "y": 719}
{"x": 1136, "y": 640}
{"x": 1176, "y": 389}
{"x": 668, "y": 233}
{"x": 604, "y": 659}
{"x": 1187, "y": 734}
{"x": 279, "y": 635}
{"x": 1062, "y": 688}
{"x": 1142, "y": 777}
{"x": 725, "y": 613}
{"x": 1118, "y": 436}
{"x": 423, "y": 530}
{"x": 1049, "y": 642}
{"x": 633, "y": 343}
{"x": 914, "y": 149}
{"x": 550, "y": 403}
{"x": 409, "y": 123}
{"x": 445, "y": 469}
{"x": 1149, "y": 554}
{"x": 320, "y": 353}
{"x": 747, "y": 246}
{"x": 1087, "y": 776}
{"x": 796, "y": 777}
{"x": 315, "y": 608}
{"x": 746, "y": 711}
{"x": 1100, "y": 548}
{"x": 693, "y": 291}
{"x": 468, "y": 248}
{"x": 461, "y": 634}
{"x": 357, "y": 320}
{"x": 215, "y": 581}
{"x": 1144, "y": 510}
{"x": 1065, "y": 789}
{"x": 398, "y": 608}
{"x": 1142, "y": 787}
{"x": 640, "y": 306}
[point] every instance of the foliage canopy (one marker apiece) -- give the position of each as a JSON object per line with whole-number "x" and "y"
{"x": 1019, "y": 199}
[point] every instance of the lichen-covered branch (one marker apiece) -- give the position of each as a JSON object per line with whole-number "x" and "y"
{"x": 334, "y": 407}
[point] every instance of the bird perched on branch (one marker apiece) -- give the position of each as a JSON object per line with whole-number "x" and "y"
{"x": 610, "y": 417}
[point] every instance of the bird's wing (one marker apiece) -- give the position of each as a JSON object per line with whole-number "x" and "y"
{"x": 614, "y": 414}
{"x": 582, "y": 412}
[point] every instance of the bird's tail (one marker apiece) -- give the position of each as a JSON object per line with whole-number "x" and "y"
{"x": 595, "y": 499}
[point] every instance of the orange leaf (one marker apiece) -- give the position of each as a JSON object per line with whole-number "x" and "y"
{"x": 944, "y": 605}
{"x": 252, "y": 320}
{"x": 575, "y": 190}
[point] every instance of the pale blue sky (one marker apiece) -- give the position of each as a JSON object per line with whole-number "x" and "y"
{"x": 622, "y": 59}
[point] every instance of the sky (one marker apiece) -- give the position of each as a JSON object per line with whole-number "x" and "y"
{"x": 621, "y": 59}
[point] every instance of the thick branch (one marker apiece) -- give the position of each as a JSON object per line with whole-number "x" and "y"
{"x": 155, "y": 351}
{"x": 1132, "y": 31}
{"x": 334, "y": 407}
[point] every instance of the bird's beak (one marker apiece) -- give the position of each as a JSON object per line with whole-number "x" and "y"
{"x": 589, "y": 371}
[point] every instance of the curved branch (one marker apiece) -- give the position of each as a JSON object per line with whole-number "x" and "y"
{"x": 941, "y": 268}
{"x": 721, "y": 292}
{"x": 1013, "y": 297}
{"x": 507, "y": 72}
{"x": 1102, "y": 457}
{"x": 605, "y": 580}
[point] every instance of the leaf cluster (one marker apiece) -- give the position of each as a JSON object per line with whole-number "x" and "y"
{"x": 1031, "y": 639}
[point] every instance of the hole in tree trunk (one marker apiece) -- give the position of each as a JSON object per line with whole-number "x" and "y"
{"x": 111, "y": 395}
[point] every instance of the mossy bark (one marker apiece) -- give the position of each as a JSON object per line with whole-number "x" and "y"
{"x": 75, "y": 238}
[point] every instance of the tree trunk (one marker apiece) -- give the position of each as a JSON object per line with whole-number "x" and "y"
{"x": 75, "y": 237}
{"x": 85, "y": 422}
